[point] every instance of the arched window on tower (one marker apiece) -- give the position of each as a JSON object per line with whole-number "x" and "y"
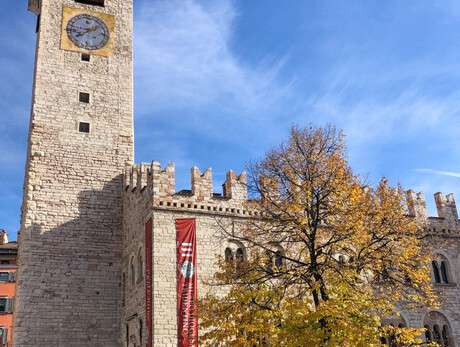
{"x": 428, "y": 337}
{"x": 391, "y": 325}
{"x": 445, "y": 336}
{"x": 228, "y": 256}
{"x": 234, "y": 254}
{"x": 391, "y": 338}
{"x": 437, "y": 278}
{"x": 436, "y": 334}
{"x": 239, "y": 257}
{"x": 437, "y": 329}
{"x": 444, "y": 272}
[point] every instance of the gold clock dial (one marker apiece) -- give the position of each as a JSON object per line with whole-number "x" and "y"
{"x": 87, "y": 31}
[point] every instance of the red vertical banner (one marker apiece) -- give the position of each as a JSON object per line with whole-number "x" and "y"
{"x": 148, "y": 281}
{"x": 186, "y": 282}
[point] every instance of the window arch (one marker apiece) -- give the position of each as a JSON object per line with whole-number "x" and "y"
{"x": 132, "y": 273}
{"x": 441, "y": 270}
{"x": 234, "y": 254}
{"x": 445, "y": 335}
{"x": 391, "y": 337}
{"x": 140, "y": 265}
{"x": 444, "y": 276}
{"x": 437, "y": 329}
{"x": 436, "y": 334}
{"x": 428, "y": 337}
{"x": 239, "y": 257}
{"x": 393, "y": 322}
{"x": 437, "y": 278}
{"x": 229, "y": 256}
{"x": 275, "y": 255}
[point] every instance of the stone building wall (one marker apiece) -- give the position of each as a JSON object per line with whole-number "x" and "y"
{"x": 68, "y": 290}
{"x": 444, "y": 242}
{"x": 150, "y": 193}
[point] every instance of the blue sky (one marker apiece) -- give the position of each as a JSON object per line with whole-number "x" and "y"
{"x": 216, "y": 83}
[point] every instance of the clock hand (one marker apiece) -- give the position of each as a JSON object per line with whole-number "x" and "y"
{"x": 92, "y": 29}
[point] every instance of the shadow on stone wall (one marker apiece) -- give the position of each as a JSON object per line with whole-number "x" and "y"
{"x": 68, "y": 290}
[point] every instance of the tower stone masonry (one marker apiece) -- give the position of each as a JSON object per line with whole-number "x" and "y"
{"x": 81, "y": 135}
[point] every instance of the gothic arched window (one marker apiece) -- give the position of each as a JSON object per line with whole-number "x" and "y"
{"x": 444, "y": 272}
{"x": 228, "y": 256}
{"x": 437, "y": 278}
{"x": 234, "y": 254}
{"x": 239, "y": 257}
{"x": 445, "y": 336}
{"x": 392, "y": 325}
{"x": 428, "y": 334}
{"x": 437, "y": 329}
{"x": 436, "y": 334}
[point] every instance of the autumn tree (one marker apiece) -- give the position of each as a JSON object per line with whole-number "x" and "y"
{"x": 329, "y": 257}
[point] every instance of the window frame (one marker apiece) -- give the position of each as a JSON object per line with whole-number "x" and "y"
{"x": 9, "y": 304}
{"x": 3, "y": 336}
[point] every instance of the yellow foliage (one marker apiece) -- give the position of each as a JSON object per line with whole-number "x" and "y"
{"x": 350, "y": 255}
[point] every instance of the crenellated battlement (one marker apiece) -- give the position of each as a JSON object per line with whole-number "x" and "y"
{"x": 160, "y": 184}
{"x": 447, "y": 220}
{"x": 445, "y": 205}
{"x": 416, "y": 204}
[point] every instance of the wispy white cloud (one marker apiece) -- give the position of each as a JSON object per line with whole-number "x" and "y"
{"x": 438, "y": 172}
{"x": 406, "y": 115}
{"x": 183, "y": 59}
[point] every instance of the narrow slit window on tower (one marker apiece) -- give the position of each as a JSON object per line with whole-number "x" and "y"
{"x": 83, "y": 97}
{"x": 91, "y": 2}
{"x": 437, "y": 277}
{"x": 85, "y": 57}
{"x": 37, "y": 27}
{"x": 83, "y": 127}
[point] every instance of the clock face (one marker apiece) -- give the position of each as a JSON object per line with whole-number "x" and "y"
{"x": 88, "y": 32}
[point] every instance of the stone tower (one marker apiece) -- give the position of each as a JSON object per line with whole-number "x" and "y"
{"x": 81, "y": 135}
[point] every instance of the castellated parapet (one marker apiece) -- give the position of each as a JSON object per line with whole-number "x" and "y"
{"x": 149, "y": 194}
{"x": 160, "y": 183}
{"x": 447, "y": 220}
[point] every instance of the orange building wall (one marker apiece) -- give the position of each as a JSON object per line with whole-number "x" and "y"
{"x": 7, "y": 289}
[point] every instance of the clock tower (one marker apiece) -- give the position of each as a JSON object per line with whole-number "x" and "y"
{"x": 68, "y": 291}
